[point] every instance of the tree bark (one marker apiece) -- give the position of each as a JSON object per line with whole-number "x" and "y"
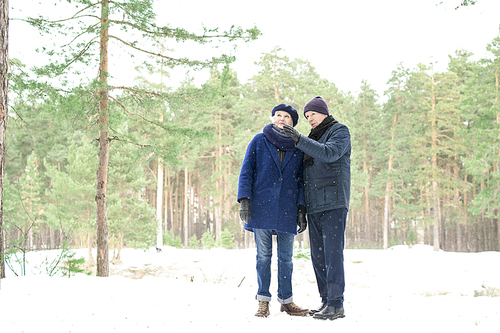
{"x": 366, "y": 170}
{"x": 497, "y": 87}
{"x": 159, "y": 205}
{"x": 175, "y": 225}
{"x": 186, "y": 208}
{"x": 435, "y": 195}
{"x": 219, "y": 190}
{"x": 4, "y": 89}
{"x": 388, "y": 187}
{"x": 102, "y": 169}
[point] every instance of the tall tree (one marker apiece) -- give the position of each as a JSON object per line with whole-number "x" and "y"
{"x": 367, "y": 112}
{"x": 392, "y": 111}
{"x": 480, "y": 107}
{"x": 94, "y": 22}
{"x": 4, "y": 88}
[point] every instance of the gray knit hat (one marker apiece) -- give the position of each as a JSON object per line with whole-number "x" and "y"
{"x": 317, "y": 104}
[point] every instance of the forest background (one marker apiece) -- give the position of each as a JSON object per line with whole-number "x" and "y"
{"x": 425, "y": 162}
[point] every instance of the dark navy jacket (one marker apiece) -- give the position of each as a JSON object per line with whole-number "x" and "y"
{"x": 275, "y": 191}
{"x": 328, "y": 180}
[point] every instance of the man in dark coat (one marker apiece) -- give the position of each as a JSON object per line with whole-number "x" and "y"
{"x": 327, "y": 179}
{"x": 271, "y": 197}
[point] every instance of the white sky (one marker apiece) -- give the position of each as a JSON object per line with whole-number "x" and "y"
{"x": 347, "y": 41}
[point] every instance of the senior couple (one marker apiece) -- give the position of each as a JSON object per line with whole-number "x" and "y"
{"x": 286, "y": 176}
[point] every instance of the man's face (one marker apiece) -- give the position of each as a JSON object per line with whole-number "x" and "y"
{"x": 315, "y": 118}
{"x": 281, "y": 118}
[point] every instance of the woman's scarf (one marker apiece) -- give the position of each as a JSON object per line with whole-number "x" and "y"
{"x": 278, "y": 138}
{"x": 316, "y": 133}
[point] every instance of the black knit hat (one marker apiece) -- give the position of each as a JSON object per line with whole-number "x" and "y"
{"x": 317, "y": 104}
{"x": 289, "y": 109}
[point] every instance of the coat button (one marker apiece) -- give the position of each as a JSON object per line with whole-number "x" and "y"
{"x": 279, "y": 179}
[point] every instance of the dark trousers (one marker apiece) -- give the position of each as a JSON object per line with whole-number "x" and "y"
{"x": 326, "y": 237}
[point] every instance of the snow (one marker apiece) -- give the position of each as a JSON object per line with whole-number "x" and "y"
{"x": 397, "y": 290}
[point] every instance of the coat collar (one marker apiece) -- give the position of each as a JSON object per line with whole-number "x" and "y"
{"x": 274, "y": 153}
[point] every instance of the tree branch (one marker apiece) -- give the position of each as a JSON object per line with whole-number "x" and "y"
{"x": 181, "y": 61}
{"x": 79, "y": 55}
{"x": 135, "y": 115}
{"x": 135, "y": 91}
{"x": 80, "y": 34}
{"x": 76, "y": 15}
{"x": 173, "y": 33}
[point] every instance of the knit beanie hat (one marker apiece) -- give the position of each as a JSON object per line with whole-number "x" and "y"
{"x": 317, "y": 104}
{"x": 287, "y": 108}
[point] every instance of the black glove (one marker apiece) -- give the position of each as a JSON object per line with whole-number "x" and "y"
{"x": 301, "y": 219}
{"x": 291, "y": 132}
{"x": 244, "y": 209}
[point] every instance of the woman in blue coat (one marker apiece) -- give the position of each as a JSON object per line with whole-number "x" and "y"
{"x": 271, "y": 197}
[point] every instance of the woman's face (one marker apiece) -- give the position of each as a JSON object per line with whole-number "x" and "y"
{"x": 281, "y": 118}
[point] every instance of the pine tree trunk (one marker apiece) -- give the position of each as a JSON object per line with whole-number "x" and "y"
{"x": 4, "y": 89}
{"x": 186, "y": 207}
{"x": 166, "y": 187}
{"x": 275, "y": 82}
{"x": 366, "y": 170}
{"x": 388, "y": 187}
{"x": 170, "y": 201}
{"x": 435, "y": 195}
{"x": 456, "y": 202}
{"x": 102, "y": 169}
{"x": 159, "y": 205}
{"x": 192, "y": 196}
{"x": 219, "y": 190}
{"x": 175, "y": 226}
{"x": 497, "y": 88}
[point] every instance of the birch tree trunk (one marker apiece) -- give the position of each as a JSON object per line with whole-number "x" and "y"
{"x": 102, "y": 169}
{"x": 4, "y": 88}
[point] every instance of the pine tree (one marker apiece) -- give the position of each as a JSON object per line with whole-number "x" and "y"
{"x": 480, "y": 108}
{"x": 93, "y": 25}
{"x": 4, "y": 88}
{"x": 388, "y": 143}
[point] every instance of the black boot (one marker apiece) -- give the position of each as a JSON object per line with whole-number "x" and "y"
{"x": 330, "y": 312}
{"x": 321, "y": 308}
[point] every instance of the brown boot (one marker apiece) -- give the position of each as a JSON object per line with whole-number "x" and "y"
{"x": 293, "y": 310}
{"x": 263, "y": 310}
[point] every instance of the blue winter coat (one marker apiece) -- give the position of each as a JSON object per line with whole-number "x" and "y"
{"x": 328, "y": 180}
{"x": 275, "y": 192}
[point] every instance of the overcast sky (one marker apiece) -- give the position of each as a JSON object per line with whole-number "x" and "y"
{"x": 347, "y": 41}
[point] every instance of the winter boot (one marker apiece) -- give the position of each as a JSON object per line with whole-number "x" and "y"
{"x": 321, "y": 308}
{"x": 293, "y": 310}
{"x": 330, "y": 312}
{"x": 263, "y": 310}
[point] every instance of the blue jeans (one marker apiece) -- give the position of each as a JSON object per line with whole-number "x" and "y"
{"x": 326, "y": 238}
{"x": 264, "y": 241}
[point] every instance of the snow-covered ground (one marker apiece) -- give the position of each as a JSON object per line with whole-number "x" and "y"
{"x": 396, "y": 290}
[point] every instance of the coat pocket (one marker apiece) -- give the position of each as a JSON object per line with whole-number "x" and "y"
{"x": 323, "y": 195}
